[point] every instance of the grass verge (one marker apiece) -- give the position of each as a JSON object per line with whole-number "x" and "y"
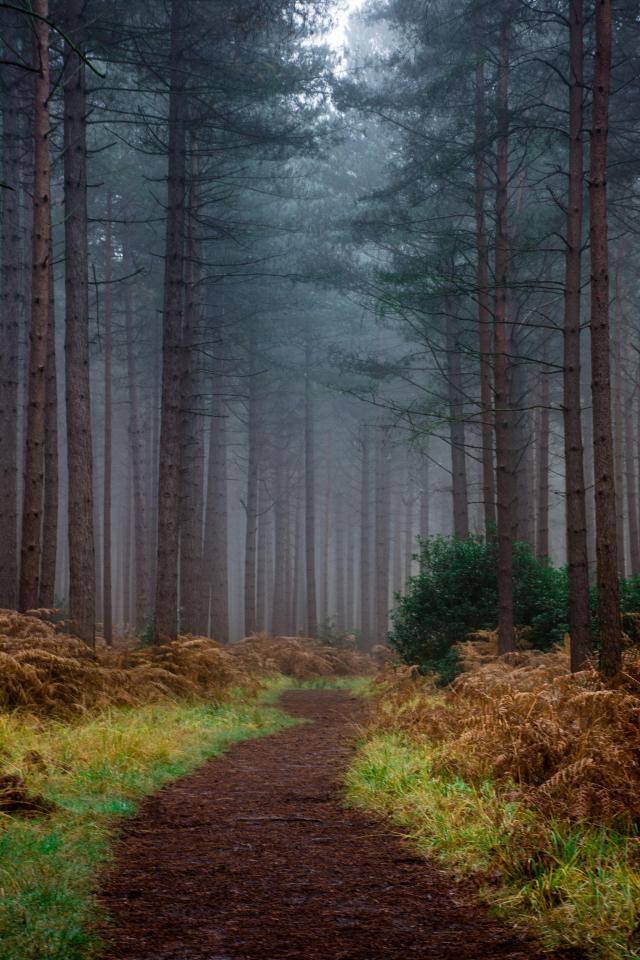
{"x": 571, "y": 885}
{"x": 94, "y": 772}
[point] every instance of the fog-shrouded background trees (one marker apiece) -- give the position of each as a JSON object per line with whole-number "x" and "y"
{"x": 288, "y": 286}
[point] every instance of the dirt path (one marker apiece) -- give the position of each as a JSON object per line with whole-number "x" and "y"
{"x": 253, "y": 858}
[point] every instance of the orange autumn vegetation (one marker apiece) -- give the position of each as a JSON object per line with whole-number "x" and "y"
{"x": 566, "y": 744}
{"x": 46, "y": 672}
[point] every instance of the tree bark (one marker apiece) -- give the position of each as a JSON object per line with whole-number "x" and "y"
{"x": 482, "y": 280}
{"x": 253, "y": 467}
{"x": 576, "y": 515}
{"x": 542, "y": 518}
{"x": 32, "y": 505}
{"x": 136, "y": 441}
{"x": 107, "y": 600}
{"x": 366, "y": 631}
{"x": 609, "y": 620}
{"x": 191, "y": 434}
{"x": 82, "y": 557}
{"x": 425, "y": 497}
{"x": 382, "y": 535}
{"x": 11, "y": 313}
{"x": 503, "y": 425}
{"x": 51, "y": 478}
{"x": 457, "y": 434}
{"x": 630, "y": 451}
{"x": 166, "y": 605}
{"x": 215, "y": 560}
{"x": 280, "y": 608}
{"x": 616, "y": 379}
{"x": 309, "y": 489}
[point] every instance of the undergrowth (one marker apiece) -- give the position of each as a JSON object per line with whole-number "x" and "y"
{"x": 571, "y": 885}
{"x": 83, "y": 777}
{"x": 525, "y": 776}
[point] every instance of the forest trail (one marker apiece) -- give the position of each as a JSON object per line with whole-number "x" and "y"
{"x": 254, "y": 858}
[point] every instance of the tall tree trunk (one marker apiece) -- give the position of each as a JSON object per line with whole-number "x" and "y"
{"x": 215, "y": 560}
{"x": 51, "y": 480}
{"x": 340, "y": 568}
{"x": 504, "y": 485}
{"x": 191, "y": 435}
{"x": 616, "y": 377}
{"x": 609, "y": 620}
{"x": 366, "y": 630}
{"x": 350, "y": 577}
{"x": 166, "y": 605}
{"x": 264, "y": 539}
{"x": 136, "y": 441}
{"x": 298, "y": 607}
{"x": 542, "y": 532}
{"x": 10, "y": 310}
{"x": 482, "y": 280}
{"x": 253, "y": 467}
{"x": 31, "y": 546}
{"x": 325, "y": 554}
{"x": 107, "y": 616}
{"x": 425, "y": 497}
{"x": 576, "y": 516}
{"x": 382, "y": 535}
{"x": 280, "y": 609}
{"x": 82, "y": 557}
{"x": 630, "y": 451}
{"x": 309, "y": 492}
{"x": 128, "y": 579}
{"x": 457, "y": 434}
{"x": 409, "y": 542}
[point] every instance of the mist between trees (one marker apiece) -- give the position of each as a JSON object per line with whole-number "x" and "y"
{"x": 271, "y": 311}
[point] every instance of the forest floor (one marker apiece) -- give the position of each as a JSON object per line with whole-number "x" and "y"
{"x": 255, "y": 856}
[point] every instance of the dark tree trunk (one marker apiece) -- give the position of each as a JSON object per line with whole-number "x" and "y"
{"x": 542, "y": 518}
{"x": 127, "y": 579}
{"x": 609, "y": 620}
{"x": 264, "y": 543}
{"x": 280, "y": 607}
{"x": 11, "y": 313}
{"x": 82, "y": 557}
{"x": 253, "y": 467}
{"x": 136, "y": 440}
{"x": 484, "y": 317}
{"x": 32, "y": 504}
{"x": 51, "y": 480}
{"x": 366, "y": 630}
{"x": 107, "y": 617}
{"x": 425, "y": 497}
{"x": 215, "y": 560}
{"x": 618, "y": 419}
{"x": 457, "y": 434}
{"x": 340, "y": 567}
{"x": 576, "y": 516}
{"x": 382, "y": 535}
{"x": 503, "y": 424}
{"x": 297, "y": 598}
{"x": 166, "y": 605}
{"x": 191, "y": 434}
{"x": 630, "y": 475}
{"x": 309, "y": 491}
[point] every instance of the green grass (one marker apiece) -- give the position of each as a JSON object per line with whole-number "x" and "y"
{"x": 570, "y": 885}
{"x": 95, "y": 772}
{"x": 360, "y": 686}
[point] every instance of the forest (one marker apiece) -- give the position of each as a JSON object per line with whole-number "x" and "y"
{"x": 319, "y": 479}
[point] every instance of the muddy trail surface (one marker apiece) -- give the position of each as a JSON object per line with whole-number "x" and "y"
{"x": 253, "y": 857}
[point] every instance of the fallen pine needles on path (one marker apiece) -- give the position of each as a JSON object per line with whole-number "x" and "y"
{"x": 85, "y": 735}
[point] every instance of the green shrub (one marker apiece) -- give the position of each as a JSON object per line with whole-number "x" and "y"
{"x": 456, "y": 593}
